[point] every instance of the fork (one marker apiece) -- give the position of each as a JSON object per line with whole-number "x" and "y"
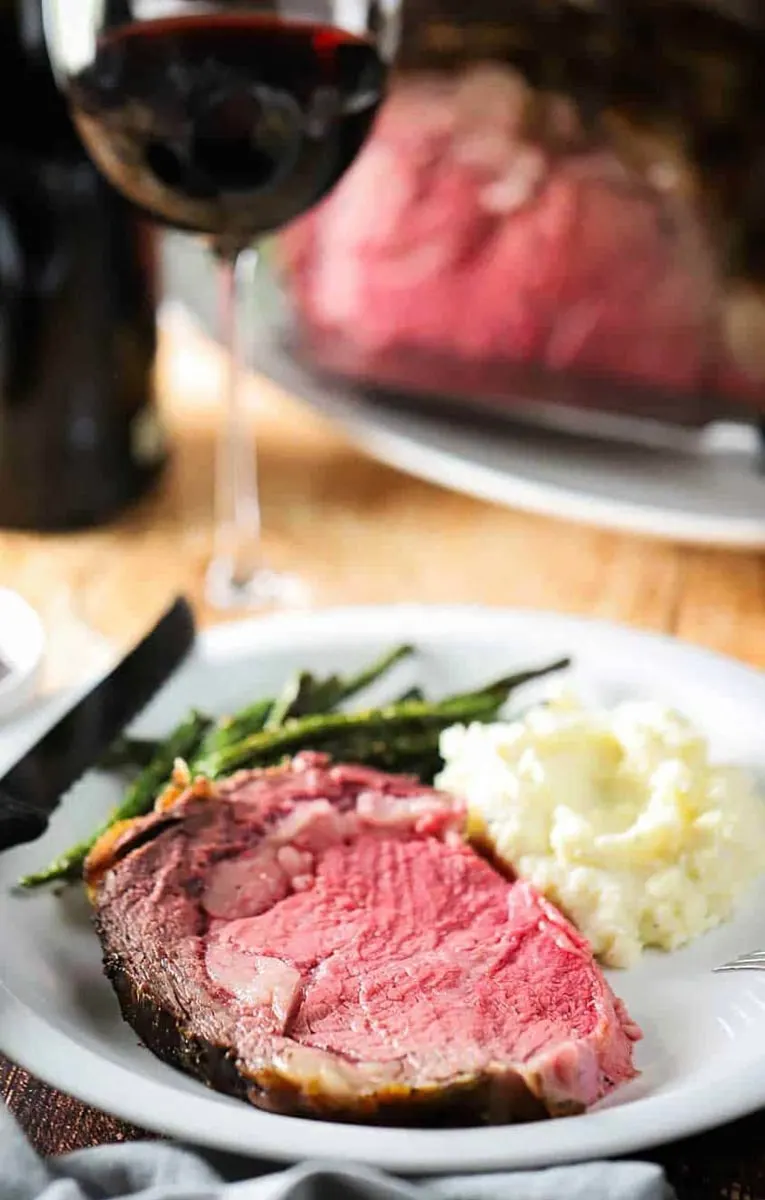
{"x": 753, "y": 961}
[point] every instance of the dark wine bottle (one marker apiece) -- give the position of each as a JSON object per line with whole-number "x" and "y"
{"x": 80, "y": 437}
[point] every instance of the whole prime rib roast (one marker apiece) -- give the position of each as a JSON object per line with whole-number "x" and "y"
{"x": 560, "y": 203}
{"x": 320, "y": 940}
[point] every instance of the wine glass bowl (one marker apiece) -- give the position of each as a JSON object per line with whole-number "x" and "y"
{"x": 226, "y": 120}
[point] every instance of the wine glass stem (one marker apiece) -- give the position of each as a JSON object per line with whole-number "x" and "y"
{"x": 237, "y": 548}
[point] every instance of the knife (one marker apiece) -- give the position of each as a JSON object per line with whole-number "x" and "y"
{"x": 30, "y": 790}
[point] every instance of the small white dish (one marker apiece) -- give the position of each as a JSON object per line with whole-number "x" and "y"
{"x": 22, "y": 649}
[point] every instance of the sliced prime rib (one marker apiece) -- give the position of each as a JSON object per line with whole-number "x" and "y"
{"x": 320, "y": 940}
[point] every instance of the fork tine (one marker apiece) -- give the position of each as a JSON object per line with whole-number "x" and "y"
{"x": 753, "y": 961}
{"x": 739, "y": 966}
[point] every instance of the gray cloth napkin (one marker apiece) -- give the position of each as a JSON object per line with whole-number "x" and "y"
{"x": 155, "y": 1171}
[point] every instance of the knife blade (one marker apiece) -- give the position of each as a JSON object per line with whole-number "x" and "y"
{"x": 32, "y": 788}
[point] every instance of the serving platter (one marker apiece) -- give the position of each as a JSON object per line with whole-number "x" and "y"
{"x": 702, "y": 488}
{"x": 702, "y": 1059}
{"x": 695, "y": 487}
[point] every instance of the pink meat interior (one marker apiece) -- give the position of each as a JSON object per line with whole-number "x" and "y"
{"x": 363, "y": 935}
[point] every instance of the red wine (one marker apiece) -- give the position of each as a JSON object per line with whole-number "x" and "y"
{"x": 230, "y": 124}
{"x": 79, "y": 433}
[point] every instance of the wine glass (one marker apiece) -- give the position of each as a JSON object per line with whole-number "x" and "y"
{"x": 226, "y": 119}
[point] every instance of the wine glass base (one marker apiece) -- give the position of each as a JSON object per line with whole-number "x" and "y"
{"x": 265, "y": 589}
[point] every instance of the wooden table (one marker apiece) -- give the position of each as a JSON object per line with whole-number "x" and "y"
{"x": 359, "y": 532}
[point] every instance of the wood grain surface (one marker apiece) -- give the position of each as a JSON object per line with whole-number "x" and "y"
{"x": 359, "y": 532}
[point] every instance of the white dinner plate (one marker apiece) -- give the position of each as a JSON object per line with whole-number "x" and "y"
{"x": 702, "y": 1059}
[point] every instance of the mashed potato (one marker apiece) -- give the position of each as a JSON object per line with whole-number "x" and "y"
{"x": 617, "y": 816}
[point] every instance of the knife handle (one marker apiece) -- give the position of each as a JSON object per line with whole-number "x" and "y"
{"x": 18, "y": 822}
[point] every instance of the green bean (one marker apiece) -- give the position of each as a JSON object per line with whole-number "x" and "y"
{"x": 314, "y": 731}
{"x": 351, "y": 687}
{"x": 297, "y": 698}
{"x": 305, "y": 695}
{"x": 227, "y": 731}
{"x": 410, "y": 716}
{"x": 301, "y": 696}
{"x": 129, "y": 752}
{"x": 402, "y": 754}
{"x": 503, "y": 688}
